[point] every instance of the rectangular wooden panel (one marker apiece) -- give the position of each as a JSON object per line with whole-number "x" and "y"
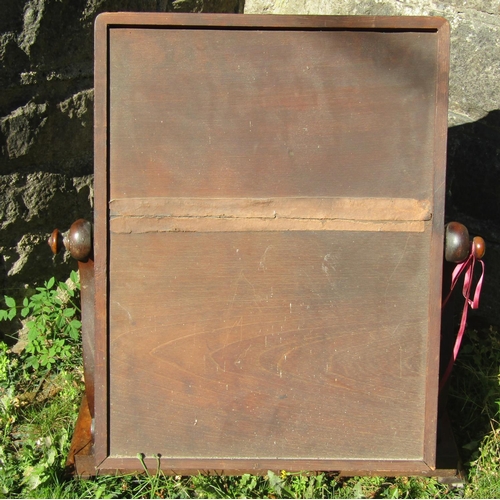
{"x": 273, "y": 345}
{"x": 269, "y": 205}
{"x": 271, "y": 113}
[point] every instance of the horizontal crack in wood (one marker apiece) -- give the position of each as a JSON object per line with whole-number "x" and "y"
{"x": 140, "y": 215}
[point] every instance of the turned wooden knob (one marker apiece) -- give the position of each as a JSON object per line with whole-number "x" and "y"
{"x": 456, "y": 242}
{"x": 56, "y": 241}
{"x": 78, "y": 240}
{"x": 478, "y": 247}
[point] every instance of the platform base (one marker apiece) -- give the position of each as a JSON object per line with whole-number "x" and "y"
{"x": 449, "y": 470}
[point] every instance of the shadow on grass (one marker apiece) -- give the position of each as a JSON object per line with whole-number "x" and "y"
{"x": 474, "y": 408}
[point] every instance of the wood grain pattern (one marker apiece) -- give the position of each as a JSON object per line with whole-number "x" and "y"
{"x": 244, "y": 345}
{"x": 249, "y": 22}
{"x": 101, "y": 183}
{"x": 373, "y": 209}
{"x": 281, "y": 113}
{"x": 222, "y": 224}
{"x": 269, "y": 345}
{"x": 267, "y": 214}
{"x": 437, "y": 239}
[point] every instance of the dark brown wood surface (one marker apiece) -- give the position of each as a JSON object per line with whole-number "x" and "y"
{"x": 268, "y": 344}
{"x": 240, "y": 325}
{"x": 226, "y": 113}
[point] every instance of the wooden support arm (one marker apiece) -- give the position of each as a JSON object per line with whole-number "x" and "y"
{"x": 78, "y": 241}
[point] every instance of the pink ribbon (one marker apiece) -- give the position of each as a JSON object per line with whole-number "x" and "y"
{"x": 467, "y": 269}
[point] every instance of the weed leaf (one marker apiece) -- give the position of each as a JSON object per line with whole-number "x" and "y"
{"x": 69, "y": 312}
{"x": 10, "y": 301}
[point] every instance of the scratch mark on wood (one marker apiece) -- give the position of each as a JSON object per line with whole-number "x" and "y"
{"x": 397, "y": 265}
{"x": 121, "y": 307}
{"x": 262, "y": 264}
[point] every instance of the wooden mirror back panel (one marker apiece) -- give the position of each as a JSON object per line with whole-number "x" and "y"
{"x": 268, "y": 241}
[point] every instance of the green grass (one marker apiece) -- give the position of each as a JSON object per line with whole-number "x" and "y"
{"x": 474, "y": 408}
{"x": 39, "y": 404}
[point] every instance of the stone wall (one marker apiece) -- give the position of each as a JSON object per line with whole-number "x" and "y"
{"x": 473, "y": 170}
{"x": 46, "y": 116}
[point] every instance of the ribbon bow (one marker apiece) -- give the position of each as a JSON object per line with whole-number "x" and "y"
{"x": 467, "y": 269}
